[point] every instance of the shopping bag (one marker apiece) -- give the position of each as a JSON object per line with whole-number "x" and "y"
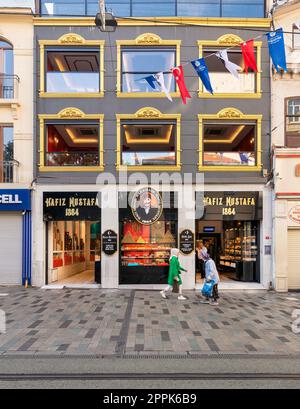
{"x": 207, "y": 288}
{"x": 175, "y": 287}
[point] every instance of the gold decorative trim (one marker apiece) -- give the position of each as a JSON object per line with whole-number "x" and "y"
{"x": 147, "y": 39}
{"x": 230, "y": 40}
{"x": 158, "y": 21}
{"x": 67, "y": 114}
{"x": 70, "y": 39}
{"x": 149, "y": 113}
{"x": 229, "y": 114}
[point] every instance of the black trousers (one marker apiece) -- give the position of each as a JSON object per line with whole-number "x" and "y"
{"x": 215, "y": 292}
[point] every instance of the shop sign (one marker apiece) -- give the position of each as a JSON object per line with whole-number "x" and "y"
{"x": 186, "y": 241}
{"x": 109, "y": 242}
{"x": 15, "y": 199}
{"x": 232, "y": 205}
{"x": 146, "y": 205}
{"x": 72, "y": 206}
{"x": 294, "y": 214}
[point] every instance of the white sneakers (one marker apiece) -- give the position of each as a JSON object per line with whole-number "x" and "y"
{"x": 180, "y": 297}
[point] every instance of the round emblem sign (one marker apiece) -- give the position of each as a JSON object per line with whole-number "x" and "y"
{"x": 294, "y": 214}
{"x": 146, "y": 205}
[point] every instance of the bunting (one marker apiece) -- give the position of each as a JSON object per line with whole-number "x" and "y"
{"x": 230, "y": 66}
{"x": 249, "y": 55}
{"x": 277, "y": 49}
{"x": 179, "y": 78}
{"x": 201, "y": 69}
{"x": 157, "y": 81}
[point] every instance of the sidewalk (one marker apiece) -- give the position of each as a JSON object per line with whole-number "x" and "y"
{"x": 130, "y": 322}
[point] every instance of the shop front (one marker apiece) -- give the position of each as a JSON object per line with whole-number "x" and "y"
{"x": 15, "y": 237}
{"x": 148, "y": 223}
{"x": 229, "y": 227}
{"x": 73, "y": 245}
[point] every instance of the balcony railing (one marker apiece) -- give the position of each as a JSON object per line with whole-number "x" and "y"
{"x": 9, "y": 171}
{"x": 9, "y": 86}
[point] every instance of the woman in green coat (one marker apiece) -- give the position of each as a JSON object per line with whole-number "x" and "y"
{"x": 174, "y": 275}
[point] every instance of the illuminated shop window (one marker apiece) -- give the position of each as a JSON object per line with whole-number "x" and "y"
{"x": 148, "y": 143}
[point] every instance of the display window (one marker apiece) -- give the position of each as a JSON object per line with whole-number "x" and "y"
{"x": 76, "y": 251}
{"x": 145, "y": 248}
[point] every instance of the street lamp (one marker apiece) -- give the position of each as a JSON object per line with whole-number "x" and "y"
{"x": 110, "y": 24}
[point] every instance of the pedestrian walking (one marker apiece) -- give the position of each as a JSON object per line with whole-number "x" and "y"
{"x": 211, "y": 274}
{"x": 174, "y": 275}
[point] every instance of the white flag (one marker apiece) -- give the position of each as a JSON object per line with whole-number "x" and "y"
{"x": 159, "y": 77}
{"x": 297, "y": 25}
{"x": 230, "y": 66}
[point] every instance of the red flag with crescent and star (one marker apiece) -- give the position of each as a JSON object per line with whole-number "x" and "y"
{"x": 179, "y": 78}
{"x": 249, "y": 55}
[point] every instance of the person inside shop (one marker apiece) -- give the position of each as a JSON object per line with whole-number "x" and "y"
{"x": 174, "y": 275}
{"x": 201, "y": 251}
{"x": 211, "y": 273}
{"x": 145, "y": 211}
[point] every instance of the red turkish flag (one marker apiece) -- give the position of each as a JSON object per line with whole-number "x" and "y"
{"x": 179, "y": 78}
{"x": 249, "y": 55}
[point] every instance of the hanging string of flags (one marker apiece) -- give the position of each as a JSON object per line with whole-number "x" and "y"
{"x": 277, "y": 53}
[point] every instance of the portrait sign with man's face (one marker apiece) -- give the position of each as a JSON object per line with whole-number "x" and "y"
{"x": 146, "y": 205}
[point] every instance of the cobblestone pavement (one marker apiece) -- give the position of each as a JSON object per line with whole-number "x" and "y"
{"x": 118, "y": 322}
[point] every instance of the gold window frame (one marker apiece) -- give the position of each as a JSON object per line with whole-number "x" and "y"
{"x": 144, "y": 40}
{"x": 229, "y": 114}
{"x": 231, "y": 40}
{"x": 70, "y": 39}
{"x": 69, "y": 114}
{"x": 148, "y": 114}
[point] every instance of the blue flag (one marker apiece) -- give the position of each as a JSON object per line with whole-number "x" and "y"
{"x": 277, "y": 50}
{"x": 201, "y": 69}
{"x": 151, "y": 81}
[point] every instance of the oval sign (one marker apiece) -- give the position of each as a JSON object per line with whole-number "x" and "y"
{"x": 294, "y": 214}
{"x": 109, "y": 242}
{"x": 146, "y": 205}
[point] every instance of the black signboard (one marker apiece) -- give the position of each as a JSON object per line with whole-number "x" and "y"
{"x": 109, "y": 242}
{"x": 72, "y": 206}
{"x": 229, "y": 205}
{"x": 186, "y": 241}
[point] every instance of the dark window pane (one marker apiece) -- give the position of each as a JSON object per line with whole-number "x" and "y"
{"x": 72, "y": 145}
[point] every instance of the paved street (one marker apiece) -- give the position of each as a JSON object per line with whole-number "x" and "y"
{"x": 124, "y": 322}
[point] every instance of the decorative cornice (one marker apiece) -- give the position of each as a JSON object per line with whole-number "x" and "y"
{"x": 148, "y": 113}
{"x": 71, "y": 38}
{"x": 230, "y": 113}
{"x": 71, "y": 113}
{"x": 230, "y": 39}
{"x": 148, "y": 39}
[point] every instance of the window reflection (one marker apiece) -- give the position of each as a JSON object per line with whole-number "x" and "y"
{"x": 140, "y": 63}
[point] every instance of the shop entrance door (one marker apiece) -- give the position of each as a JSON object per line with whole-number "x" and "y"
{"x": 75, "y": 252}
{"x": 212, "y": 241}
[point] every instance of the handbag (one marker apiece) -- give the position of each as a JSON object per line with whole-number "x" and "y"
{"x": 175, "y": 287}
{"x": 207, "y": 288}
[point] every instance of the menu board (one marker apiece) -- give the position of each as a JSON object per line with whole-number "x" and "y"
{"x": 186, "y": 241}
{"x": 109, "y": 242}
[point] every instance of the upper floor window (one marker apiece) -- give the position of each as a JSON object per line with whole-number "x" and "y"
{"x": 138, "y": 63}
{"x": 292, "y": 128}
{"x": 223, "y": 83}
{"x": 296, "y": 37}
{"x": 6, "y": 70}
{"x": 143, "y": 8}
{"x": 71, "y": 67}
{"x": 72, "y": 70}
{"x": 148, "y": 140}
{"x": 230, "y": 140}
{"x": 6, "y": 154}
{"x": 71, "y": 141}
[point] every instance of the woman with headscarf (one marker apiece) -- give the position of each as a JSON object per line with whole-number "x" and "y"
{"x": 174, "y": 275}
